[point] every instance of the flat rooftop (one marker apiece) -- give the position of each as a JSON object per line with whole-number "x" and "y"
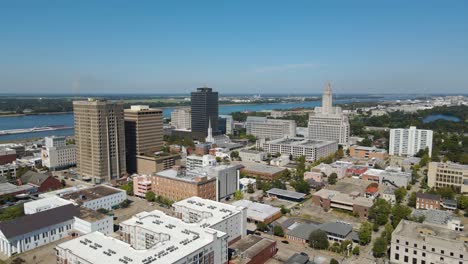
{"x": 249, "y": 247}
{"x": 301, "y": 142}
{"x": 217, "y": 211}
{"x": 90, "y": 215}
{"x": 259, "y": 167}
{"x": 179, "y": 239}
{"x": 343, "y": 198}
{"x": 432, "y": 235}
{"x": 7, "y": 188}
{"x": 286, "y": 193}
{"x": 92, "y": 193}
{"x": 257, "y": 211}
{"x": 433, "y": 216}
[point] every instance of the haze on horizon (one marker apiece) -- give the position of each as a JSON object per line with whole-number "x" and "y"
{"x": 83, "y": 47}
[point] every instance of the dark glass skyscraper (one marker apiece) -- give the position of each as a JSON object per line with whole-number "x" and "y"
{"x": 204, "y": 108}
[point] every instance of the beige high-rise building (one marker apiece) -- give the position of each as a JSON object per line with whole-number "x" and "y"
{"x": 181, "y": 118}
{"x": 99, "y": 139}
{"x": 143, "y": 132}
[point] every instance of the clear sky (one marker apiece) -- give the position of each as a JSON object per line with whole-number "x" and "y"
{"x": 233, "y": 46}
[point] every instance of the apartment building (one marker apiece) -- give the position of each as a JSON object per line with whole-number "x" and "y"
{"x": 143, "y": 133}
{"x": 442, "y": 174}
{"x": 99, "y": 139}
{"x": 261, "y": 127}
{"x": 56, "y": 154}
{"x": 311, "y": 149}
{"x": 328, "y": 122}
{"x": 181, "y": 118}
{"x": 414, "y": 242}
{"x": 408, "y": 141}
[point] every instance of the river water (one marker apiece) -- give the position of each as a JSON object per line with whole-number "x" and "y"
{"x": 30, "y": 121}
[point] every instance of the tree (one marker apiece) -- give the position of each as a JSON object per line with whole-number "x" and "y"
{"x": 318, "y": 239}
{"x": 300, "y": 167}
{"x": 277, "y": 183}
{"x": 334, "y": 261}
{"x": 218, "y": 159}
{"x": 150, "y": 196}
{"x": 412, "y": 200}
{"x": 365, "y": 233}
{"x": 388, "y": 232}
{"x": 400, "y": 194}
{"x": 463, "y": 202}
{"x": 356, "y": 250}
{"x": 301, "y": 186}
{"x": 332, "y": 178}
{"x": 250, "y": 188}
{"x": 278, "y": 231}
{"x": 446, "y": 192}
{"x": 380, "y": 211}
{"x": 103, "y": 210}
{"x": 262, "y": 226}
{"x": 64, "y": 183}
{"x": 379, "y": 248}
{"x": 399, "y": 212}
{"x": 345, "y": 245}
{"x": 125, "y": 204}
{"x": 348, "y": 152}
{"x": 238, "y": 195}
{"x": 284, "y": 210}
{"x": 234, "y": 154}
{"x": 128, "y": 187}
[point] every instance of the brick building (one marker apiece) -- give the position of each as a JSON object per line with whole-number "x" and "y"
{"x": 427, "y": 201}
{"x": 43, "y": 182}
{"x": 7, "y": 155}
{"x": 351, "y": 202}
{"x": 367, "y": 152}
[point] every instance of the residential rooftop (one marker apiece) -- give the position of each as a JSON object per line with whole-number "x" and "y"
{"x": 250, "y": 246}
{"x": 428, "y": 196}
{"x": 179, "y": 240}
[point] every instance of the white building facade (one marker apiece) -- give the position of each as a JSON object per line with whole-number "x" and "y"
{"x": 181, "y": 118}
{"x": 261, "y": 127}
{"x": 56, "y": 154}
{"x": 408, "y": 141}
{"x": 311, "y": 149}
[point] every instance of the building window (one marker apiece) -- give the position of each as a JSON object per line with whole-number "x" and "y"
{"x": 406, "y": 259}
{"x": 397, "y": 256}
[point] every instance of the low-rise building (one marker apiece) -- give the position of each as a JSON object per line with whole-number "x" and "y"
{"x": 42, "y": 182}
{"x": 263, "y": 171}
{"x": 7, "y": 155}
{"x": 252, "y": 155}
{"x": 367, "y": 152}
{"x": 389, "y": 176}
{"x": 156, "y": 163}
{"x": 356, "y": 170}
{"x": 336, "y": 231}
{"x": 439, "y": 218}
{"x": 44, "y": 227}
{"x": 252, "y": 250}
{"x": 280, "y": 161}
{"x": 8, "y": 189}
{"x": 141, "y": 185}
{"x": 195, "y": 162}
{"x": 441, "y": 174}
{"x": 427, "y": 201}
{"x": 414, "y": 242}
{"x": 388, "y": 194}
{"x": 328, "y": 199}
{"x": 244, "y": 184}
{"x": 44, "y": 204}
{"x": 258, "y": 212}
{"x": 312, "y": 150}
{"x": 340, "y": 168}
{"x": 97, "y": 197}
{"x": 286, "y": 195}
{"x": 8, "y": 170}
{"x": 229, "y": 219}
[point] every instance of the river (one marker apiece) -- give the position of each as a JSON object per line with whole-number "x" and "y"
{"x": 29, "y": 121}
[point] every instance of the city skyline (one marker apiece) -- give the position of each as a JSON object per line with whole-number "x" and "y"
{"x": 262, "y": 47}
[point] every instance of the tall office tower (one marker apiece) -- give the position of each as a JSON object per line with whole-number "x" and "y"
{"x": 226, "y": 124}
{"x": 143, "y": 133}
{"x": 328, "y": 122}
{"x": 261, "y": 127}
{"x": 99, "y": 139}
{"x": 204, "y": 109}
{"x": 407, "y": 142}
{"x": 181, "y": 118}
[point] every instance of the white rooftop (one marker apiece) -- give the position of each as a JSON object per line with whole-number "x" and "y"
{"x": 257, "y": 211}
{"x": 217, "y": 211}
{"x": 47, "y": 203}
{"x": 181, "y": 239}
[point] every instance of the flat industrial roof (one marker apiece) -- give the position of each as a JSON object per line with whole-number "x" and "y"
{"x": 259, "y": 167}
{"x": 7, "y": 188}
{"x": 298, "y": 141}
{"x": 257, "y": 211}
{"x": 92, "y": 193}
{"x": 286, "y": 193}
{"x": 344, "y": 198}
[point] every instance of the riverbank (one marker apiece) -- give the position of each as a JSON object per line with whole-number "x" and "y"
{"x": 35, "y": 114}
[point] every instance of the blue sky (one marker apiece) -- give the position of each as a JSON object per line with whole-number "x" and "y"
{"x": 233, "y": 46}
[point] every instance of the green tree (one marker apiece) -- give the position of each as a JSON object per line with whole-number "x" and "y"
{"x": 238, "y": 195}
{"x": 400, "y": 194}
{"x": 388, "y": 232}
{"x": 332, "y": 178}
{"x": 318, "y": 239}
{"x": 300, "y": 167}
{"x": 412, "y": 200}
{"x": 301, "y": 186}
{"x": 380, "y": 211}
{"x": 128, "y": 187}
{"x": 250, "y": 188}
{"x": 379, "y": 248}
{"x": 234, "y": 154}
{"x": 277, "y": 183}
{"x": 284, "y": 210}
{"x": 103, "y": 210}
{"x": 446, "y": 192}
{"x": 463, "y": 202}
{"x": 278, "y": 231}
{"x": 150, "y": 196}
{"x": 345, "y": 245}
{"x": 399, "y": 212}
{"x": 356, "y": 250}
{"x": 334, "y": 261}
{"x": 365, "y": 233}
{"x": 218, "y": 159}
{"x": 262, "y": 226}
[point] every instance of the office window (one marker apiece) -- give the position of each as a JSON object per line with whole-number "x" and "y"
{"x": 406, "y": 259}
{"x": 415, "y": 260}
{"x": 397, "y": 256}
